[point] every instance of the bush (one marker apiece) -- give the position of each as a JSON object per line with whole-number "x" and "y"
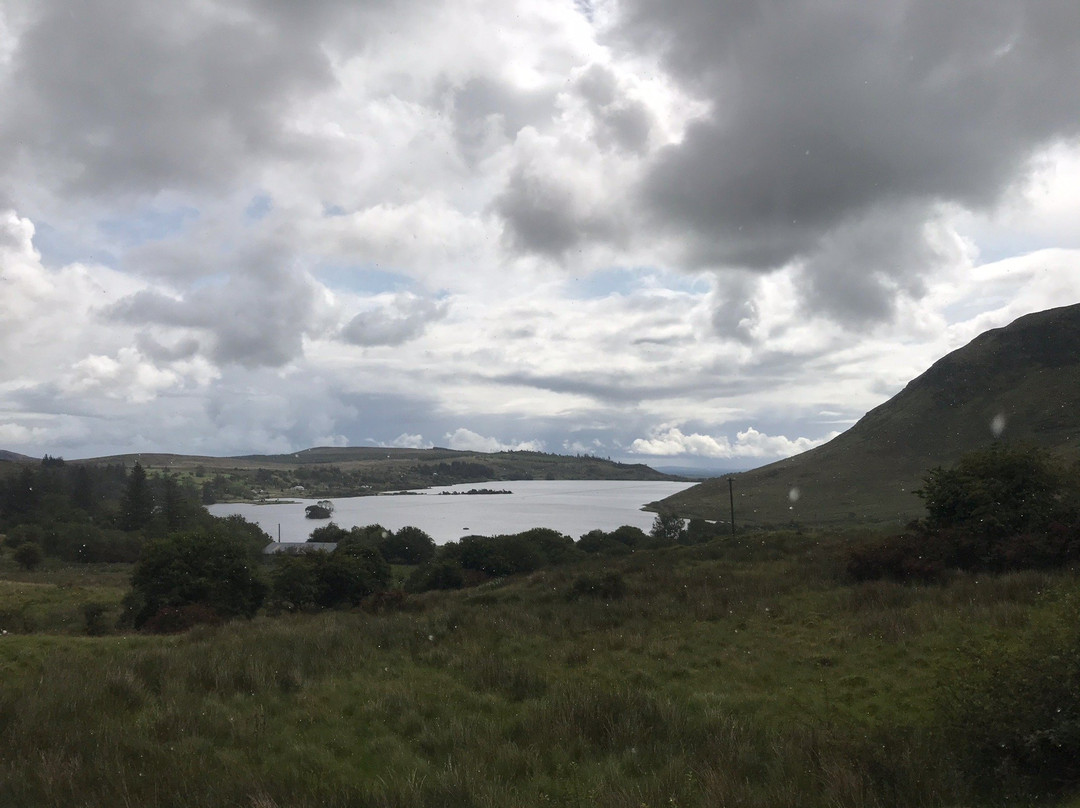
{"x": 28, "y": 555}
{"x": 330, "y": 533}
{"x": 621, "y": 541}
{"x": 410, "y": 545}
{"x": 553, "y": 546}
{"x": 173, "y": 620}
{"x": 328, "y": 580}
{"x": 668, "y": 528}
{"x": 606, "y": 586}
{"x": 436, "y": 575}
{"x": 999, "y": 491}
{"x": 499, "y": 555}
{"x": 293, "y": 584}
{"x": 188, "y": 568}
{"x": 907, "y": 557}
{"x": 1014, "y": 717}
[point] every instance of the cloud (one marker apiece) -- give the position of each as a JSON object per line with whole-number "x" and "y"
{"x": 119, "y": 96}
{"x": 407, "y": 441}
{"x": 669, "y": 441}
{"x": 256, "y": 315}
{"x": 467, "y": 440}
{"x": 837, "y": 130}
{"x": 128, "y": 375}
{"x": 398, "y": 319}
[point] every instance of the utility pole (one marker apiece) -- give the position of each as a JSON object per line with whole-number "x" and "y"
{"x": 731, "y": 496}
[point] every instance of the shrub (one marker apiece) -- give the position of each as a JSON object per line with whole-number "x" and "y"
{"x": 553, "y": 546}
{"x": 328, "y": 580}
{"x": 187, "y": 568}
{"x": 667, "y": 528}
{"x": 175, "y": 619}
{"x": 28, "y": 555}
{"x": 348, "y": 575}
{"x": 499, "y": 555}
{"x": 999, "y": 491}
{"x": 330, "y": 533}
{"x": 95, "y": 615}
{"x": 293, "y": 585}
{"x": 410, "y": 545}
{"x": 606, "y": 586}
{"x": 436, "y": 575}
{"x": 907, "y": 557}
{"x": 1014, "y": 717}
{"x": 597, "y": 541}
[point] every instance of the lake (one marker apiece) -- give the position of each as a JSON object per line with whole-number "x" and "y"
{"x": 572, "y": 507}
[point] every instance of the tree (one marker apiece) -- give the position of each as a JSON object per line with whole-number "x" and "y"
{"x": 668, "y": 528}
{"x": 318, "y": 510}
{"x": 329, "y": 533}
{"x": 210, "y": 569}
{"x": 28, "y": 555}
{"x": 137, "y": 506}
{"x": 999, "y": 491}
{"x": 410, "y": 545}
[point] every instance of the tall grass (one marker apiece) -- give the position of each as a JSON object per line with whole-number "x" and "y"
{"x": 722, "y": 675}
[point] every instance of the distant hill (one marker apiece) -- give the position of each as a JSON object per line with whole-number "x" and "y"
{"x": 350, "y": 471}
{"x": 1027, "y": 373}
{"x": 14, "y": 457}
{"x": 503, "y": 465}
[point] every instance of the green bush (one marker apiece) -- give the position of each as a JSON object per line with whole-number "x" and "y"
{"x": 999, "y": 491}
{"x": 205, "y": 568}
{"x": 327, "y": 580}
{"x": 499, "y": 555}
{"x": 1014, "y": 717}
{"x": 605, "y": 586}
{"x": 28, "y": 555}
{"x": 436, "y": 575}
{"x": 410, "y": 545}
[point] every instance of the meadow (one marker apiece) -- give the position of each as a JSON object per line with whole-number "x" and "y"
{"x": 746, "y": 672}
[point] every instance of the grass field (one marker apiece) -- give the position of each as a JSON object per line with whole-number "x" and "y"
{"x": 746, "y": 673}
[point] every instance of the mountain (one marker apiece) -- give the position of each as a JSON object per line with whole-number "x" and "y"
{"x": 14, "y": 457}
{"x": 1024, "y": 377}
{"x": 354, "y": 471}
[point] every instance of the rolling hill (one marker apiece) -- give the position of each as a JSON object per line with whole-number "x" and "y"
{"x": 353, "y": 471}
{"x": 1025, "y": 375}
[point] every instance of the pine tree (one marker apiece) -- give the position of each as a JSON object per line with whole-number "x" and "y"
{"x": 137, "y": 507}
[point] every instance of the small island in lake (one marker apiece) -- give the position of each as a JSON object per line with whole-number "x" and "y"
{"x": 320, "y": 510}
{"x": 474, "y": 492}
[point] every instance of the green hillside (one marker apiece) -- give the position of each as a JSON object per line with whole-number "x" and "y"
{"x": 1028, "y": 373}
{"x": 353, "y": 471}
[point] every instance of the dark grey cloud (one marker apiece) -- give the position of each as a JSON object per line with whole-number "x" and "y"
{"x": 484, "y": 108}
{"x": 622, "y": 122}
{"x": 134, "y": 95}
{"x": 826, "y": 114}
{"x": 256, "y": 315}
{"x": 734, "y": 308}
{"x": 544, "y": 215}
{"x": 404, "y": 318}
{"x": 160, "y": 352}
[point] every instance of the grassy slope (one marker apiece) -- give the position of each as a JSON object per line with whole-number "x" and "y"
{"x": 507, "y": 465}
{"x": 741, "y": 673}
{"x": 1029, "y": 372}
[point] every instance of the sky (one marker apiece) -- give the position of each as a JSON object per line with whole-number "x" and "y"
{"x": 660, "y": 231}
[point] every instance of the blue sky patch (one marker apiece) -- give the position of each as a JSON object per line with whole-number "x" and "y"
{"x": 259, "y": 207}
{"x": 363, "y": 279}
{"x": 148, "y": 224}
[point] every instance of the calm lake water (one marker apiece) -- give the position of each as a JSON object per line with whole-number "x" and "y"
{"x": 572, "y": 507}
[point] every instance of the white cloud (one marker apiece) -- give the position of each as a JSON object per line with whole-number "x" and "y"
{"x": 669, "y": 441}
{"x": 467, "y": 440}
{"x": 407, "y": 441}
